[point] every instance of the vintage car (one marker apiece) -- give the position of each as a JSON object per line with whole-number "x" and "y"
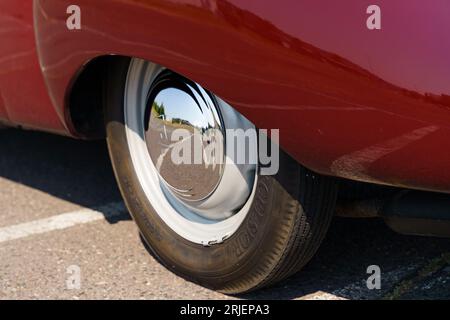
{"x": 340, "y": 100}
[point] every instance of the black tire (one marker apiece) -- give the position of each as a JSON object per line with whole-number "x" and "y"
{"x": 288, "y": 219}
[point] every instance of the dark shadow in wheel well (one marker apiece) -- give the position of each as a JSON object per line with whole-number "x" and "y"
{"x": 85, "y": 101}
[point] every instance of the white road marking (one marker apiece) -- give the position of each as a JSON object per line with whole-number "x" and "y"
{"x": 321, "y": 295}
{"x": 61, "y": 221}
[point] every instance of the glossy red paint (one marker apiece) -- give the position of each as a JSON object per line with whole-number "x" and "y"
{"x": 349, "y": 102}
{"x": 23, "y": 95}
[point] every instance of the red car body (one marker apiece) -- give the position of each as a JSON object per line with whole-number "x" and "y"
{"x": 370, "y": 105}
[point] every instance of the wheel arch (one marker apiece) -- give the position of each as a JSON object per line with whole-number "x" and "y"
{"x": 84, "y": 101}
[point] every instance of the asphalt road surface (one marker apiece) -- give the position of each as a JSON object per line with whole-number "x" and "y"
{"x": 60, "y": 209}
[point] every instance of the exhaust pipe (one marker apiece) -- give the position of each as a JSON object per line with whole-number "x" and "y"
{"x": 418, "y": 213}
{"x": 405, "y": 211}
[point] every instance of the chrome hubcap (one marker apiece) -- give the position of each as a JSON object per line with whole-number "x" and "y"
{"x": 204, "y": 202}
{"x": 185, "y": 137}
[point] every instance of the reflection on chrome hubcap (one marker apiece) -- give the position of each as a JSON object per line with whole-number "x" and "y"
{"x": 184, "y": 137}
{"x": 204, "y": 205}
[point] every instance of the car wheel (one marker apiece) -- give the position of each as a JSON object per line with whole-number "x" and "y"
{"x": 225, "y": 226}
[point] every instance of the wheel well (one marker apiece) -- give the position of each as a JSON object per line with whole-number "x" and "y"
{"x": 85, "y": 101}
